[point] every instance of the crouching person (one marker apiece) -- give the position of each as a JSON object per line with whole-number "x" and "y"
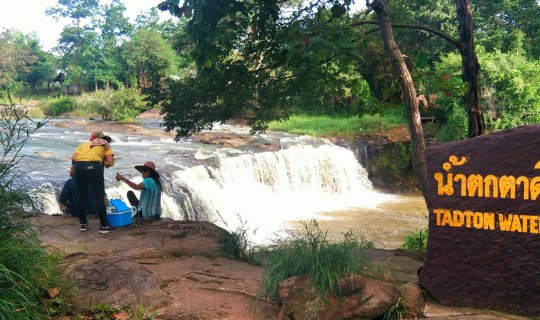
{"x": 149, "y": 206}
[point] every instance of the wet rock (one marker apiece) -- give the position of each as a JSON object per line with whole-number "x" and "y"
{"x": 362, "y": 298}
{"x": 222, "y": 139}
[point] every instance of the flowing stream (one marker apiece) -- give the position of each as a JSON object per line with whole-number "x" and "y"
{"x": 246, "y": 186}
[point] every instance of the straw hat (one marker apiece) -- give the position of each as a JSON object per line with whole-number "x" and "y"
{"x": 148, "y": 166}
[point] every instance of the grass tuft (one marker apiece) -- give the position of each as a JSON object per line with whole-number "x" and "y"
{"x": 310, "y": 252}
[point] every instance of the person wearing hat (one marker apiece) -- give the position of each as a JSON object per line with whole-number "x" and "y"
{"x": 150, "y": 204}
{"x": 90, "y": 158}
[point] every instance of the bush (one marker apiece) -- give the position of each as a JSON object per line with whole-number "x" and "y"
{"x": 312, "y": 254}
{"x": 117, "y": 105}
{"x": 57, "y": 106}
{"x": 416, "y": 241}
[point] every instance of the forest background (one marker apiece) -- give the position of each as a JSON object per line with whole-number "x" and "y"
{"x": 313, "y": 64}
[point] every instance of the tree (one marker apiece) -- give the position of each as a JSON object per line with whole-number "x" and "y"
{"x": 115, "y": 28}
{"x": 151, "y": 58}
{"x": 470, "y": 66}
{"x": 78, "y": 42}
{"x": 15, "y": 57}
{"x": 407, "y": 87}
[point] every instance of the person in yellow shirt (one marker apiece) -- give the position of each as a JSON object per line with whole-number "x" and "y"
{"x": 90, "y": 158}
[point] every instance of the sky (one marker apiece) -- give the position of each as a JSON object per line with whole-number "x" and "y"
{"x": 29, "y": 16}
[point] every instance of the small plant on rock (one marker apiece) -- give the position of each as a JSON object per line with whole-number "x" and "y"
{"x": 311, "y": 253}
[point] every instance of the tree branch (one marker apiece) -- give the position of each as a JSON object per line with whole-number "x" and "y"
{"x": 455, "y": 42}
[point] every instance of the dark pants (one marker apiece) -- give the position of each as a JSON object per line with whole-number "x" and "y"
{"x": 90, "y": 174}
{"x": 134, "y": 202}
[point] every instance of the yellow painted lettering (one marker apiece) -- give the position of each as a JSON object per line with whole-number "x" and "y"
{"x": 478, "y": 220}
{"x": 459, "y": 218}
{"x": 505, "y": 222}
{"x": 468, "y": 217}
{"x": 438, "y": 213}
{"x": 525, "y": 222}
{"x": 489, "y": 220}
{"x": 447, "y": 218}
{"x": 533, "y": 224}
{"x": 516, "y": 224}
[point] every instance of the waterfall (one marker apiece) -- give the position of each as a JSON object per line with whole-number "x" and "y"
{"x": 265, "y": 190}
{"x": 262, "y": 191}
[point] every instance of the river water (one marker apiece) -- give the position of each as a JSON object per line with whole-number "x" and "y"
{"x": 267, "y": 192}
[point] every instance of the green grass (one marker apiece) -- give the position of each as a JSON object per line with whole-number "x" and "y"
{"x": 27, "y": 271}
{"x": 310, "y": 253}
{"x": 323, "y": 126}
{"x": 416, "y": 241}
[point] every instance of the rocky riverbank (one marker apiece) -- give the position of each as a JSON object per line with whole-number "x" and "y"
{"x": 177, "y": 269}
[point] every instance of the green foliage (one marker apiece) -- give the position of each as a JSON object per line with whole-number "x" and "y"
{"x": 456, "y": 124}
{"x": 510, "y": 86}
{"x": 150, "y": 58}
{"x": 36, "y": 113}
{"x": 510, "y": 90}
{"x": 27, "y": 271}
{"x": 235, "y": 244}
{"x": 57, "y": 106}
{"x": 325, "y": 126}
{"x": 117, "y": 105}
{"x": 416, "y": 241}
{"x": 311, "y": 253}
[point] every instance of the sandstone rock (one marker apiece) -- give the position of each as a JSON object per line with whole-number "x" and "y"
{"x": 362, "y": 298}
{"x": 412, "y": 298}
{"x": 117, "y": 282}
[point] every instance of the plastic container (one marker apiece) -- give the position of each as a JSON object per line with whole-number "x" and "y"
{"x": 121, "y": 215}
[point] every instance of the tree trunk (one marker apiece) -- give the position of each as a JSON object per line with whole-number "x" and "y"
{"x": 470, "y": 68}
{"x": 407, "y": 87}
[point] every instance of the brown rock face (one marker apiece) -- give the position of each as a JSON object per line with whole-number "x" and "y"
{"x": 118, "y": 282}
{"x": 484, "y": 242}
{"x": 362, "y": 298}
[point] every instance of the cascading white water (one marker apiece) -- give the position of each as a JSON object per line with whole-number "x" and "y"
{"x": 265, "y": 190}
{"x": 227, "y": 186}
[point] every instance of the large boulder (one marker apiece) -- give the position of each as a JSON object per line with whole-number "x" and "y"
{"x": 361, "y": 298}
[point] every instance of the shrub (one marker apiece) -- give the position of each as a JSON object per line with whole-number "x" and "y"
{"x": 27, "y": 271}
{"x": 36, "y": 113}
{"x": 117, "y": 105}
{"x": 57, "y": 106}
{"x": 312, "y": 254}
{"x": 416, "y": 241}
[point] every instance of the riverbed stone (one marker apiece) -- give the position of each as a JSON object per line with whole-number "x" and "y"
{"x": 473, "y": 257}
